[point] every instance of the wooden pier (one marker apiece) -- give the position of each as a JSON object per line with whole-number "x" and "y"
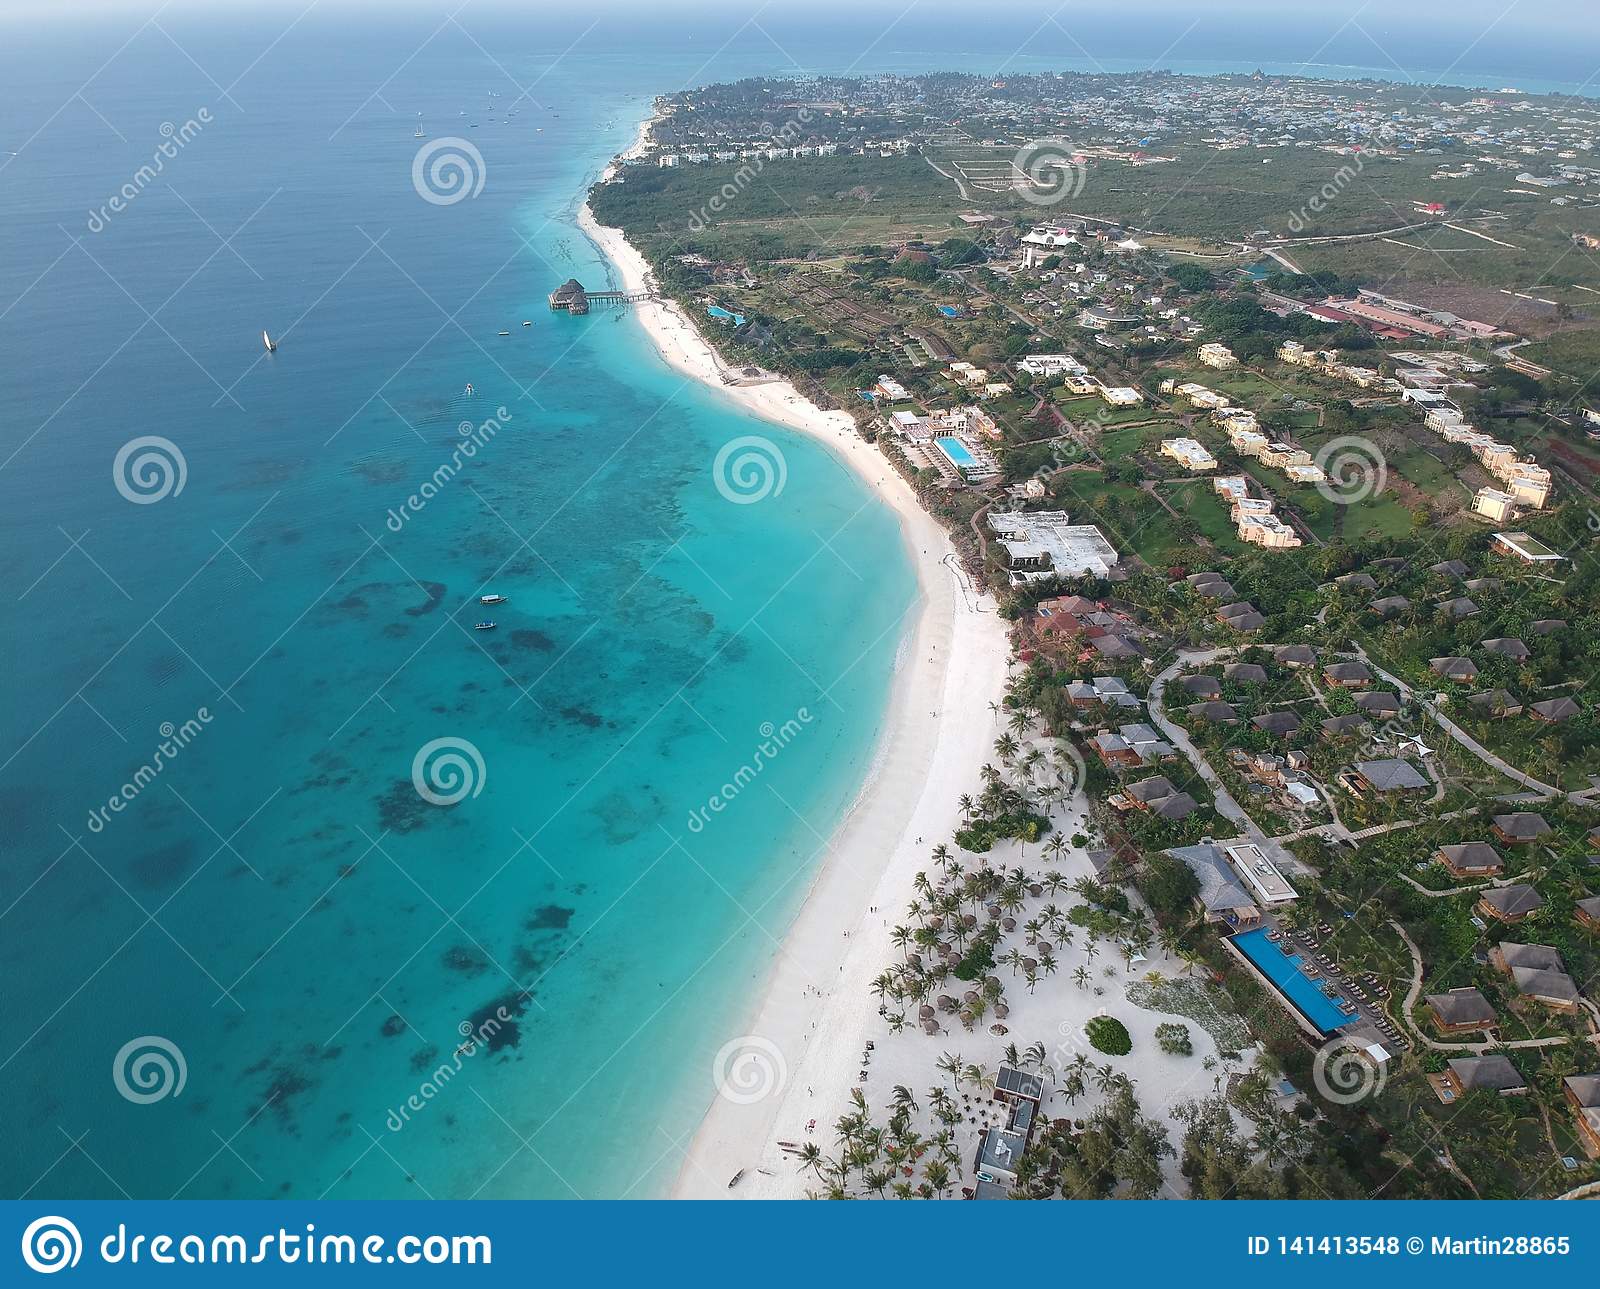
{"x": 572, "y": 297}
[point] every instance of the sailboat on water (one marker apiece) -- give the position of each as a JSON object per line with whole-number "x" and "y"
{"x": 269, "y": 342}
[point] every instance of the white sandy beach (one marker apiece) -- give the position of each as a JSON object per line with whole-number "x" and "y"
{"x": 937, "y": 731}
{"x": 817, "y": 1009}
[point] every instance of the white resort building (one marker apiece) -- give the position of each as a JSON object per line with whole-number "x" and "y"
{"x": 1188, "y": 453}
{"x": 1043, "y": 544}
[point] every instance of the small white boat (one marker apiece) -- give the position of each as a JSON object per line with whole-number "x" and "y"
{"x": 491, "y": 598}
{"x": 527, "y": 324}
{"x": 269, "y": 342}
{"x": 469, "y": 387}
{"x": 484, "y": 626}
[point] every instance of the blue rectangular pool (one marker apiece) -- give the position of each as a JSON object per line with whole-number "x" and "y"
{"x": 956, "y": 450}
{"x": 1284, "y": 972}
{"x": 949, "y": 312}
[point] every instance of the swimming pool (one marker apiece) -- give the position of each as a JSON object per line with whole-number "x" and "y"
{"x": 956, "y": 450}
{"x": 1284, "y": 972}
{"x": 949, "y": 312}
{"x": 717, "y": 311}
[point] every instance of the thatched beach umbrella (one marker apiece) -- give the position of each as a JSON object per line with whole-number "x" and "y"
{"x": 971, "y": 996}
{"x": 1008, "y": 924}
{"x": 925, "y": 1012}
{"x": 1001, "y": 1010}
{"x": 930, "y": 1027}
{"x": 947, "y": 1004}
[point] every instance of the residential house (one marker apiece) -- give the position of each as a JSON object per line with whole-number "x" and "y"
{"x": 1378, "y": 702}
{"x": 1460, "y": 1011}
{"x": 1582, "y": 1093}
{"x": 1510, "y": 904}
{"x": 1470, "y": 859}
{"x": 1460, "y": 670}
{"x": 1552, "y": 711}
{"x": 1347, "y": 675}
{"x": 1390, "y": 775}
{"x": 1464, "y": 1074}
{"x": 1520, "y": 828}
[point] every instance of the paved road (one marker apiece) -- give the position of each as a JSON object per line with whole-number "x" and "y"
{"x": 1227, "y": 807}
{"x": 1464, "y": 739}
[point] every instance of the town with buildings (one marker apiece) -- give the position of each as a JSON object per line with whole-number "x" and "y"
{"x": 1291, "y": 509}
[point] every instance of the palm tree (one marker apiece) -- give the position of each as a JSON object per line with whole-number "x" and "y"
{"x": 950, "y": 1063}
{"x": 1018, "y": 721}
{"x": 1005, "y": 747}
{"x": 1081, "y": 977}
{"x": 965, "y": 803}
{"x": 810, "y": 1156}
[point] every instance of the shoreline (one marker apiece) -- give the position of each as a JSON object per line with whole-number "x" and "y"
{"x": 816, "y": 1011}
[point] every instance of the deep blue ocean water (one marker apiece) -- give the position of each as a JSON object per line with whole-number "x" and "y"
{"x": 278, "y": 902}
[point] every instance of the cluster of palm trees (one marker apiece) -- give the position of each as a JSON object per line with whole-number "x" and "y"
{"x": 912, "y": 1156}
{"x": 917, "y": 1155}
{"x": 887, "y": 1160}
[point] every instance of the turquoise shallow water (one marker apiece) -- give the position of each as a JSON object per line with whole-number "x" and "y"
{"x": 279, "y": 902}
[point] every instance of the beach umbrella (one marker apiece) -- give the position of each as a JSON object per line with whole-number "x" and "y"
{"x": 1030, "y": 964}
{"x": 971, "y": 996}
{"x": 946, "y": 1003}
{"x": 1001, "y": 1010}
{"x": 1035, "y": 890}
{"x": 925, "y": 1012}
{"x": 930, "y": 1027}
{"x": 1008, "y": 924}
{"x": 1044, "y": 946}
